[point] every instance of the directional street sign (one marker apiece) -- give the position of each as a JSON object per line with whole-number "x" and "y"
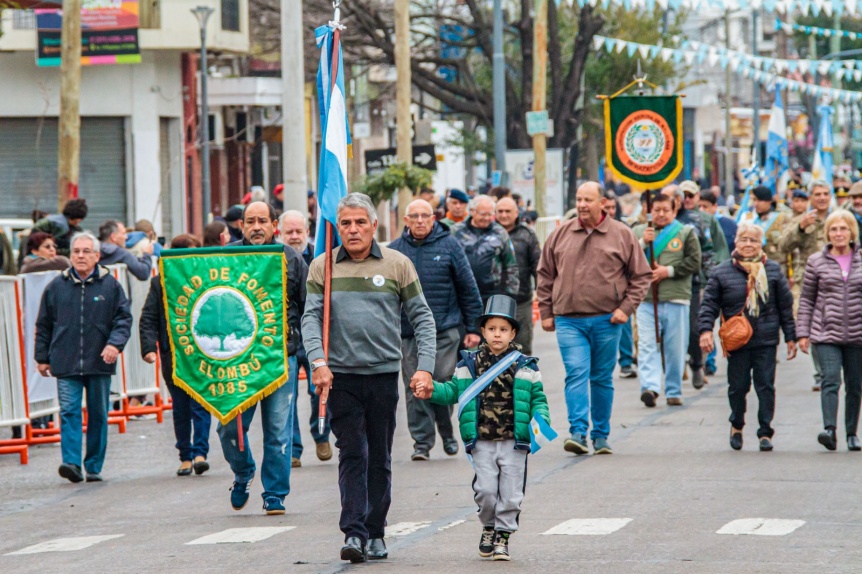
{"x": 377, "y": 160}
{"x": 537, "y": 122}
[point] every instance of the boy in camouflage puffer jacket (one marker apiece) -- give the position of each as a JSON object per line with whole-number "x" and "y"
{"x": 495, "y": 425}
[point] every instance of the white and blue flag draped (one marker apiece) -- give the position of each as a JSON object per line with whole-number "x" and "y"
{"x": 541, "y": 434}
{"x": 821, "y": 167}
{"x": 332, "y": 176}
{"x": 752, "y": 176}
{"x": 479, "y": 384}
{"x": 776, "y": 144}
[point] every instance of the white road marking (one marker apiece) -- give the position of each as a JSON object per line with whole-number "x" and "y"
{"x": 404, "y": 528}
{"x": 451, "y": 524}
{"x": 588, "y": 526}
{"x": 761, "y": 526}
{"x": 237, "y": 535}
{"x": 65, "y": 544}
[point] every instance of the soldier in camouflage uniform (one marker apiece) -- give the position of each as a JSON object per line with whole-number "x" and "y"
{"x": 489, "y": 250}
{"x": 805, "y": 234}
{"x": 772, "y": 222}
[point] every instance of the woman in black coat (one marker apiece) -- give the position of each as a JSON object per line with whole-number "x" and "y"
{"x": 750, "y": 282}
{"x": 191, "y": 420}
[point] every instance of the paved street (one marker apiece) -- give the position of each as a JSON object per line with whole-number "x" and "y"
{"x": 655, "y": 506}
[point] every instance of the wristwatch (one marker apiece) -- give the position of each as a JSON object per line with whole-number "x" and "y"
{"x": 316, "y": 365}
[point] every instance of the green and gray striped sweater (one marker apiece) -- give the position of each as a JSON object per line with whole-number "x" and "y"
{"x": 367, "y": 298}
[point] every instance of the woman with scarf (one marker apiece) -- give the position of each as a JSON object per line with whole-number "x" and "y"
{"x": 755, "y": 285}
{"x": 830, "y": 319}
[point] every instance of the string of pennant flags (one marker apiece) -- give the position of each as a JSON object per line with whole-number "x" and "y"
{"x": 815, "y": 31}
{"x": 752, "y": 67}
{"x": 812, "y": 7}
{"x": 692, "y": 51}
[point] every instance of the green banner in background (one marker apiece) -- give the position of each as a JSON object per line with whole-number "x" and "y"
{"x": 227, "y": 319}
{"x": 643, "y": 139}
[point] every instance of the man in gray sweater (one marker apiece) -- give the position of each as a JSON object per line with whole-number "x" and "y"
{"x": 370, "y": 287}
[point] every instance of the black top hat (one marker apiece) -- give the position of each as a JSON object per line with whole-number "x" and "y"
{"x": 501, "y": 306}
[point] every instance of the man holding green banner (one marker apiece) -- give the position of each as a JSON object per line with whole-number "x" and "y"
{"x": 677, "y": 256}
{"x": 233, "y": 321}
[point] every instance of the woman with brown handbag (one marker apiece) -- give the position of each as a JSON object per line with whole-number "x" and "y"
{"x": 749, "y": 288}
{"x": 830, "y": 319}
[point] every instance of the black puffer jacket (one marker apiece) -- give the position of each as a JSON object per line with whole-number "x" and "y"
{"x": 78, "y": 319}
{"x": 297, "y": 275}
{"x": 446, "y": 278}
{"x": 527, "y": 253}
{"x": 725, "y": 293}
{"x": 153, "y": 328}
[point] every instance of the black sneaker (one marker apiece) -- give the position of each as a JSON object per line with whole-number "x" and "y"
{"x": 94, "y": 477}
{"x": 735, "y": 439}
{"x": 629, "y": 372}
{"x": 419, "y": 454}
{"x": 71, "y": 472}
{"x": 450, "y": 446}
{"x": 501, "y": 546}
{"x": 486, "y": 543}
{"x": 765, "y": 444}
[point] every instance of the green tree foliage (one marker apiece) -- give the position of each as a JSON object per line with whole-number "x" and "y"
{"x": 222, "y": 316}
{"x": 383, "y": 186}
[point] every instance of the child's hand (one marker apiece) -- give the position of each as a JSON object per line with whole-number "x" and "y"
{"x": 422, "y": 389}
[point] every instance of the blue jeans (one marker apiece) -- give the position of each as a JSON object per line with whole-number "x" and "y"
{"x": 70, "y": 391}
{"x": 191, "y": 424}
{"x": 627, "y": 344}
{"x": 710, "y": 359}
{"x": 673, "y": 324}
{"x": 277, "y": 422}
{"x": 589, "y": 349}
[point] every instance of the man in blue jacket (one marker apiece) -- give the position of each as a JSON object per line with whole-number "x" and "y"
{"x": 451, "y": 292}
{"x": 83, "y": 324}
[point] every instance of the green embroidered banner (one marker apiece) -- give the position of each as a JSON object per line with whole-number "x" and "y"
{"x": 643, "y": 139}
{"x": 227, "y": 318}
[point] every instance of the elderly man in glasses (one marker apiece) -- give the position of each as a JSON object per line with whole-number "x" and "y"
{"x": 451, "y": 292}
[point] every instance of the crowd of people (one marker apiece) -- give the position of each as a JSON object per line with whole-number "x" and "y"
{"x": 448, "y": 308}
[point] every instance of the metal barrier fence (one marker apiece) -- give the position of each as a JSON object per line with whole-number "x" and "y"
{"x": 546, "y": 225}
{"x": 26, "y": 395}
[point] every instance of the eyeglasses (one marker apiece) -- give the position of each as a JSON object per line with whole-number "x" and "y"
{"x": 82, "y": 252}
{"x": 415, "y": 216}
{"x": 748, "y": 240}
{"x": 484, "y": 214}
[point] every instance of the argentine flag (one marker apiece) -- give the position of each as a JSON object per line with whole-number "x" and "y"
{"x": 776, "y": 144}
{"x": 821, "y": 167}
{"x": 541, "y": 434}
{"x": 332, "y": 175}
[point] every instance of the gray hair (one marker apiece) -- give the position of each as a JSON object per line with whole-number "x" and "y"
{"x": 97, "y": 246}
{"x": 751, "y": 228}
{"x": 292, "y": 213}
{"x": 818, "y": 183}
{"x": 474, "y": 203}
{"x": 357, "y": 201}
{"x": 258, "y": 194}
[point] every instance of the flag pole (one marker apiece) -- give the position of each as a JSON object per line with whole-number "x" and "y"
{"x": 327, "y": 269}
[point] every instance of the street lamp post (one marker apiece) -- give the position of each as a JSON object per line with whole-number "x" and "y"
{"x": 202, "y": 13}
{"x": 499, "y": 83}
